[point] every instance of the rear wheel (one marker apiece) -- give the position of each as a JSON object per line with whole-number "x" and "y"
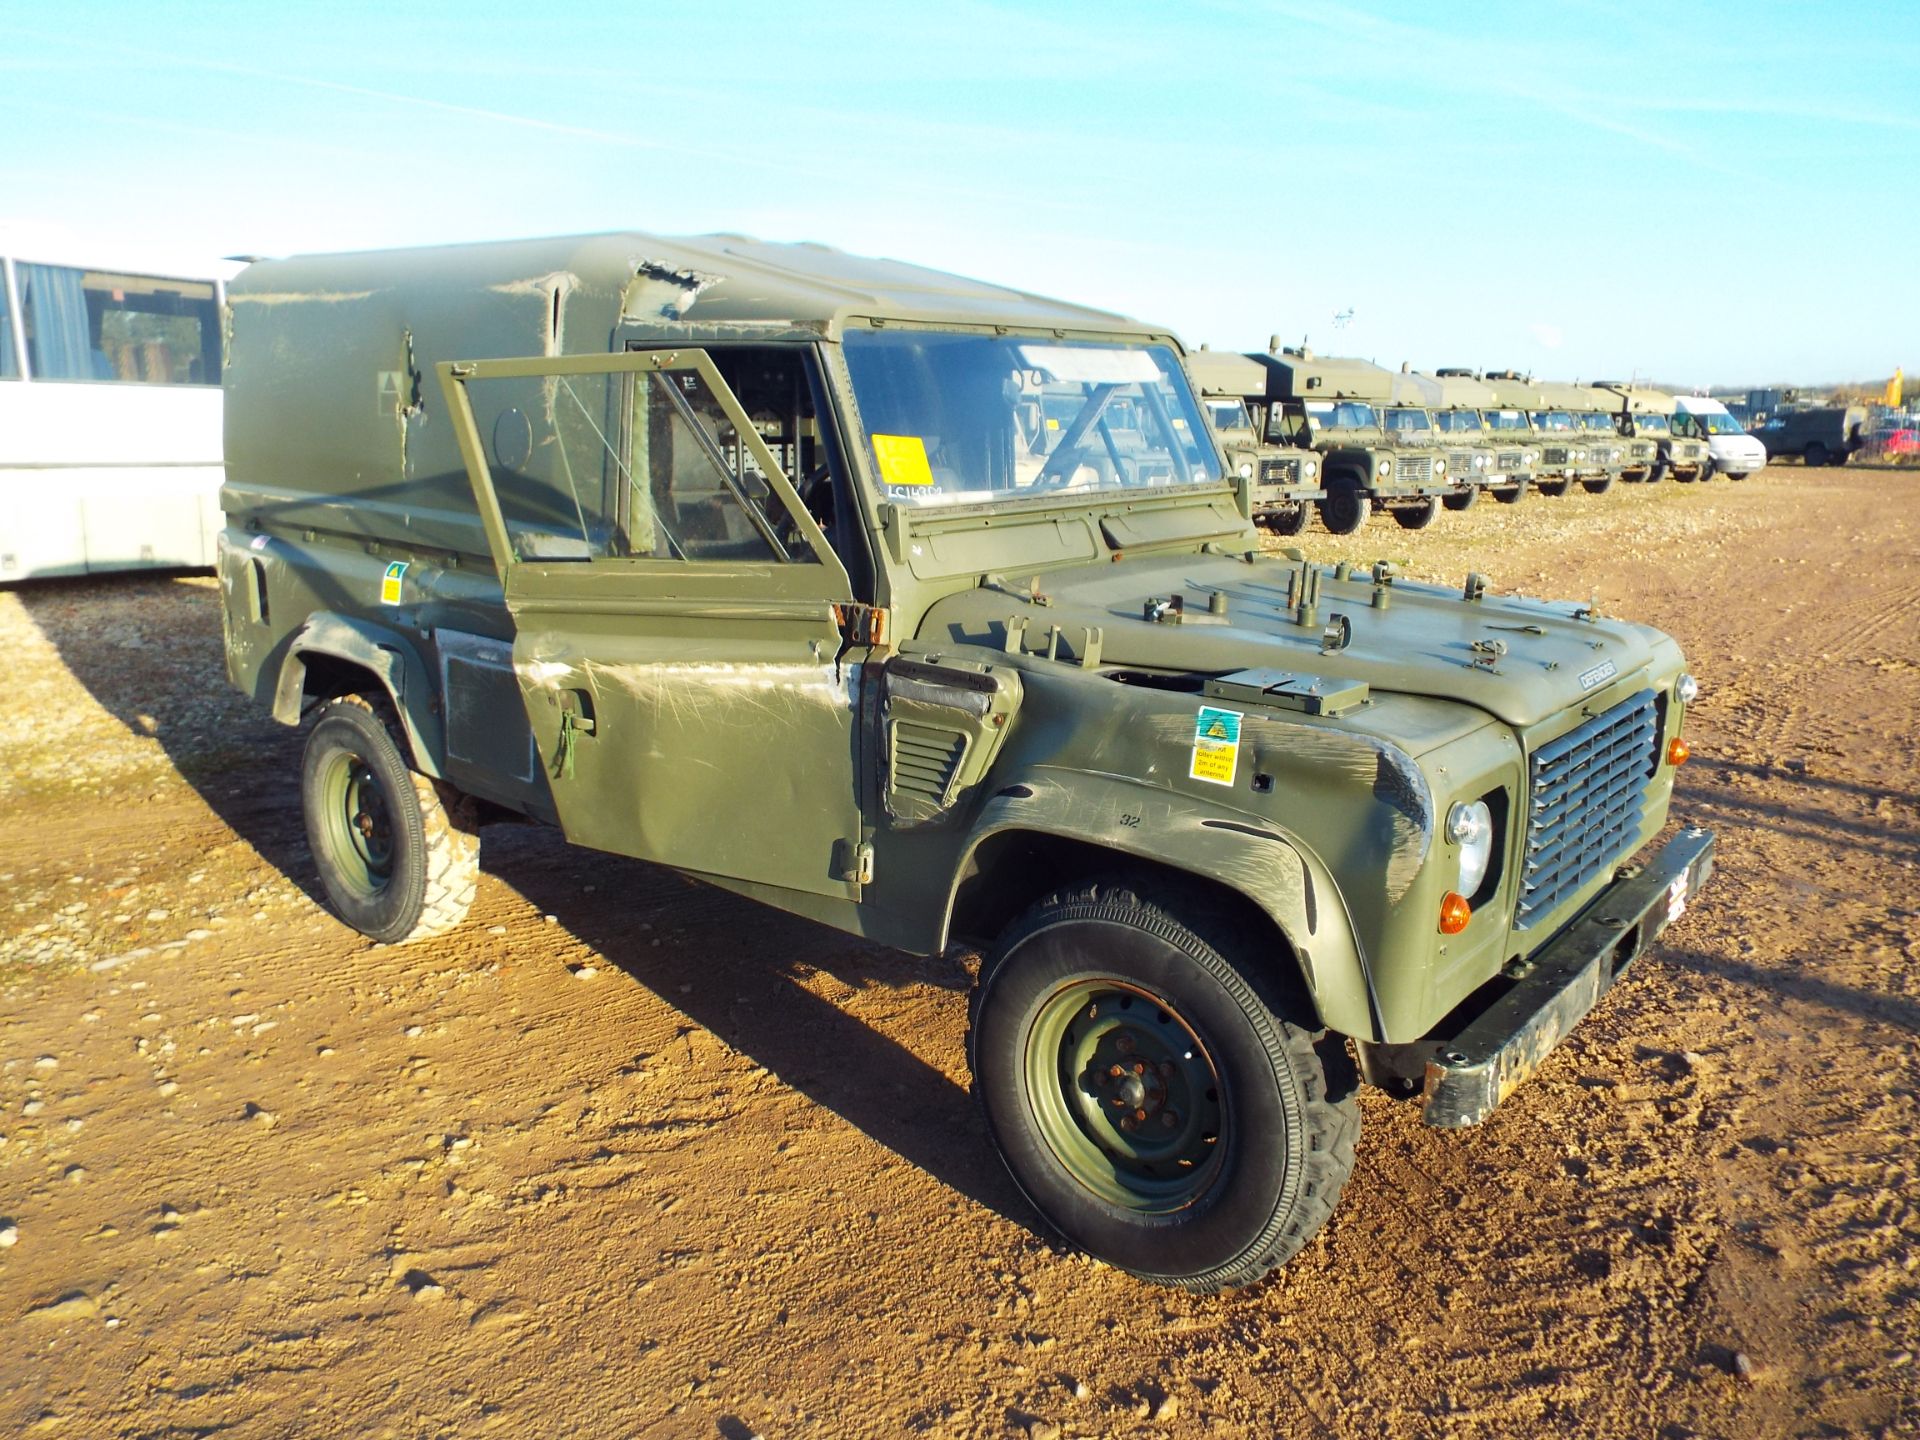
{"x": 1461, "y": 499}
{"x": 1816, "y": 454}
{"x": 1838, "y": 457}
{"x": 1148, "y": 1095}
{"x": 1345, "y": 508}
{"x": 391, "y": 857}
{"x": 1415, "y": 517}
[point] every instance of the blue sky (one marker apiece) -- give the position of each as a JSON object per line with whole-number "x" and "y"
{"x": 1702, "y": 193}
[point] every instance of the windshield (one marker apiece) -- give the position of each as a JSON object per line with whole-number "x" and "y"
{"x": 1341, "y": 415}
{"x": 1458, "y": 422}
{"x": 956, "y": 418}
{"x": 1599, "y": 420}
{"x": 1409, "y": 423}
{"x": 1507, "y": 420}
{"x": 1228, "y": 415}
{"x": 1718, "y": 424}
{"x": 1552, "y": 420}
{"x": 1651, "y": 425}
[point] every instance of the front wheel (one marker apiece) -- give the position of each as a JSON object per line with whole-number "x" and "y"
{"x": 1553, "y": 488}
{"x": 1147, "y": 1095}
{"x": 1415, "y": 517}
{"x": 1815, "y": 454}
{"x": 1290, "y": 521}
{"x": 1512, "y": 494}
{"x": 1597, "y": 487}
{"x": 1461, "y": 499}
{"x": 391, "y": 856}
{"x": 1345, "y": 508}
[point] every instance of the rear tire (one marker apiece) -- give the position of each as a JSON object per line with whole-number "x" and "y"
{"x": 392, "y": 859}
{"x": 1415, "y": 517}
{"x": 1147, "y": 1095}
{"x": 1815, "y": 454}
{"x": 1345, "y": 508}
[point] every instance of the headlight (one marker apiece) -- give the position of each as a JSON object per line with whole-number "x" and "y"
{"x": 1686, "y": 688}
{"x": 1310, "y": 469}
{"x": 1386, "y": 467}
{"x": 1479, "y": 462}
{"x": 1246, "y": 472}
{"x": 1440, "y": 465}
{"x": 1579, "y": 455}
{"x": 1470, "y": 826}
{"x": 1530, "y": 457}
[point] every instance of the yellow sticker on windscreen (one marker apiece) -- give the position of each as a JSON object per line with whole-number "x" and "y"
{"x": 903, "y": 460}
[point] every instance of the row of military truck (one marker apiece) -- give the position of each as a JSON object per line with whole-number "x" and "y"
{"x": 1348, "y": 438}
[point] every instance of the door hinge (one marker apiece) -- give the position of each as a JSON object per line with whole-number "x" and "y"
{"x": 572, "y": 725}
{"x": 853, "y": 861}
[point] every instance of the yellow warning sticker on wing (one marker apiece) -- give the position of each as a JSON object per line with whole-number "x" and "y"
{"x": 391, "y": 582}
{"x": 1216, "y": 746}
{"x": 903, "y": 460}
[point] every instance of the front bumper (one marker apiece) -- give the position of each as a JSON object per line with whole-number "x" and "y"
{"x": 1471, "y": 1072}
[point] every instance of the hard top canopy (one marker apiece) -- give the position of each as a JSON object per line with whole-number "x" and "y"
{"x": 694, "y": 286}
{"x": 1302, "y": 375}
{"x": 1575, "y": 399}
{"x": 1636, "y": 400}
{"x": 1218, "y": 373}
{"x": 1519, "y": 392}
{"x": 1443, "y": 392}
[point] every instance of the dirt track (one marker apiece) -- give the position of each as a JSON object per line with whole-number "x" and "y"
{"x": 628, "y": 1157}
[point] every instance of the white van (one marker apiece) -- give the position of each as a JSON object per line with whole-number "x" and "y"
{"x": 1735, "y": 454}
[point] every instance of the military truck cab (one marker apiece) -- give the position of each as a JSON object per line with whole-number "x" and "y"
{"x": 1282, "y": 481}
{"x": 1335, "y": 407}
{"x": 928, "y": 609}
{"x": 1661, "y": 439}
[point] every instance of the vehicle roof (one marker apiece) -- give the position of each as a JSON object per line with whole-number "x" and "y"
{"x": 1524, "y": 394}
{"x": 694, "y": 280}
{"x": 1220, "y": 372}
{"x": 1638, "y": 399}
{"x": 33, "y": 244}
{"x": 1448, "y": 392}
{"x": 1699, "y": 405}
{"x": 1564, "y": 395}
{"x": 1302, "y": 375}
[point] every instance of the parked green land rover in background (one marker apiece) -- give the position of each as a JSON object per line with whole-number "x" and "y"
{"x": 1660, "y": 439}
{"x": 1556, "y": 438}
{"x": 1592, "y": 415}
{"x": 1464, "y": 407}
{"x": 928, "y": 609}
{"x": 1336, "y": 407}
{"x": 1283, "y": 481}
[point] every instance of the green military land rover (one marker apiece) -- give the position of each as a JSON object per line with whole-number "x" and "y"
{"x": 1282, "y": 481}
{"x": 1599, "y": 444}
{"x": 1464, "y": 408}
{"x": 1660, "y": 440}
{"x": 928, "y": 609}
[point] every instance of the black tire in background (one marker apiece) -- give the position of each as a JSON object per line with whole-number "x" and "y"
{"x": 1416, "y": 517}
{"x": 391, "y": 858}
{"x": 1288, "y": 522}
{"x": 1345, "y": 508}
{"x": 1553, "y": 489}
{"x": 1512, "y": 494}
{"x": 1814, "y": 454}
{"x": 1230, "y": 1131}
{"x": 1597, "y": 487}
{"x": 1461, "y": 499}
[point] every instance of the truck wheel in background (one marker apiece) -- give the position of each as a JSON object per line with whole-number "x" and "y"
{"x": 1345, "y": 508}
{"x": 392, "y": 859}
{"x": 1815, "y": 454}
{"x": 1290, "y": 521}
{"x": 1553, "y": 488}
{"x": 1511, "y": 494}
{"x": 1415, "y": 517}
{"x": 1597, "y": 487}
{"x": 1657, "y": 473}
{"x": 1148, "y": 1093}
{"x": 1461, "y": 499}
{"x": 1838, "y": 457}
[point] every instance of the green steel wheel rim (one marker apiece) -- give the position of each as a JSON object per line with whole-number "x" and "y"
{"x": 357, "y": 824}
{"x": 1126, "y": 1096}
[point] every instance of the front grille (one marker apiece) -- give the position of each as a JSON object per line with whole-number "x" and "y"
{"x": 1460, "y": 465}
{"x": 1509, "y": 460}
{"x": 1412, "y": 469}
{"x": 1279, "y": 472}
{"x": 1555, "y": 455}
{"x": 1640, "y": 452}
{"x": 1588, "y": 790}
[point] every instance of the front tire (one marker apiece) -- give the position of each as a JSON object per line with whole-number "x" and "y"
{"x": 392, "y": 859}
{"x": 1345, "y": 508}
{"x": 1149, "y": 1097}
{"x": 1512, "y": 494}
{"x": 1597, "y": 487}
{"x": 1553, "y": 489}
{"x": 1290, "y": 521}
{"x": 1461, "y": 499}
{"x": 1415, "y": 517}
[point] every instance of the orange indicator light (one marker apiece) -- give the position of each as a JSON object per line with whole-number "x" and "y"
{"x": 1455, "y": 912}
{"x": 1677, "y": 751}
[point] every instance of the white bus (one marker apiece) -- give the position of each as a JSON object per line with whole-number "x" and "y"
{"x": 109, "y": 407}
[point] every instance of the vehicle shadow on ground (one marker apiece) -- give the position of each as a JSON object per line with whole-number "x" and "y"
{"x": 1892, "y": 1010}
{"x": 148, "y": 649}
{"x": 741, "y": 970}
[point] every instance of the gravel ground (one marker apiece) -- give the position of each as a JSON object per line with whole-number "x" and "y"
{"x": 625, "y": 1156}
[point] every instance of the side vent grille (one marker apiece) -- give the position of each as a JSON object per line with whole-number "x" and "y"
{"x": 925, "y": 761}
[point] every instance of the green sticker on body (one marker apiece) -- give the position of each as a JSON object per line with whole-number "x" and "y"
{"x": 1216, "y": 745}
